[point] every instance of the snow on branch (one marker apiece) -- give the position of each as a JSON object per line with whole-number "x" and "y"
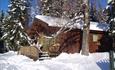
{"x": 70, "y": 24}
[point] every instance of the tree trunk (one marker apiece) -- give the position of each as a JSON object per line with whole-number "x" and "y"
{"x": 85, "y": 39}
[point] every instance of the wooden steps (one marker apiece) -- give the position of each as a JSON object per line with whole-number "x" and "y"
{"x": 44, "y": 56}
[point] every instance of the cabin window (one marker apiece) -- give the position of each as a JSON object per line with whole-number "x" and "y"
{"x": 95, "y": 37}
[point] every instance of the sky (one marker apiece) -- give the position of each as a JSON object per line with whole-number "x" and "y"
{"x": 103, "y": 3}
{"x": 4, "y": 4}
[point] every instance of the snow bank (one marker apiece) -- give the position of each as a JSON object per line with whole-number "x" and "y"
{"x": 95, "y": 61}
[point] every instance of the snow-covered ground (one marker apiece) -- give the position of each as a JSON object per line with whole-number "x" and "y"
{"x": 95, "y": 61}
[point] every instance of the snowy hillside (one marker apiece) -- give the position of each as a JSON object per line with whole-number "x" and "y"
{"x": 95, "y": 61}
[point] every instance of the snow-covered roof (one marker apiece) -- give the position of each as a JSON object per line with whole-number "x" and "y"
{"x": 53, "y": 21}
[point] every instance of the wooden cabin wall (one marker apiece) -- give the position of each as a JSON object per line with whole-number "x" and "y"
{"x": 94, "y": 42}
{"x": 103, "y": 43}
{"x": 71, "y": 41}
{"x": 37, "y": 28}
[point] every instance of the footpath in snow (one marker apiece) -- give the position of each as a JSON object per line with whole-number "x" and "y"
{"x": 95, "y": 61}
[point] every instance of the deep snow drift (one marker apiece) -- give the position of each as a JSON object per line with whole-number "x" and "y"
{"x": 95, "y": 61}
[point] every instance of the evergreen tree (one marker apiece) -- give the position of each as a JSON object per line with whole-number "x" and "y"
{"x": 96, "y": 11}
{"x": 2, "y": 49}
{"x": 110, "y": 10}
{"x": 13, "y": 26}
{"x": 93, "y": 11}
{"x": 60, "y": 8}
{"x": 1, "y": 16}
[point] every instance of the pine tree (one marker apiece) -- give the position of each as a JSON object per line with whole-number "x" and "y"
{"x": 110, "y": 10}
{"x": 60, "y": 8}
{"x": 96, "y": 11}
{"x": 2, "y": 48}
{"x": 13, "y": 26}
{"x": 1, "y": 16}
{"x": 93, "y": 11}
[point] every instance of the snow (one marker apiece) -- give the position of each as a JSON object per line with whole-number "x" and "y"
{"x": 13, "y": 9}
{"x": 9, "y": 5}
{"x": 108, "y": 6}
{"x": 95, "y": 61}
{"x": 113, "y": 19}
{"x": 109, "y": 1}
{"x": 5, "y": 35}
{"x": 11, "y": 38}
{"x": 20, "y": 25}
{"x": 53, "y": 21}
{"x": 22, "y": 7}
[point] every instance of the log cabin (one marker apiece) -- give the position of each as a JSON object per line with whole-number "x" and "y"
{"x": 71, "y": 40}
